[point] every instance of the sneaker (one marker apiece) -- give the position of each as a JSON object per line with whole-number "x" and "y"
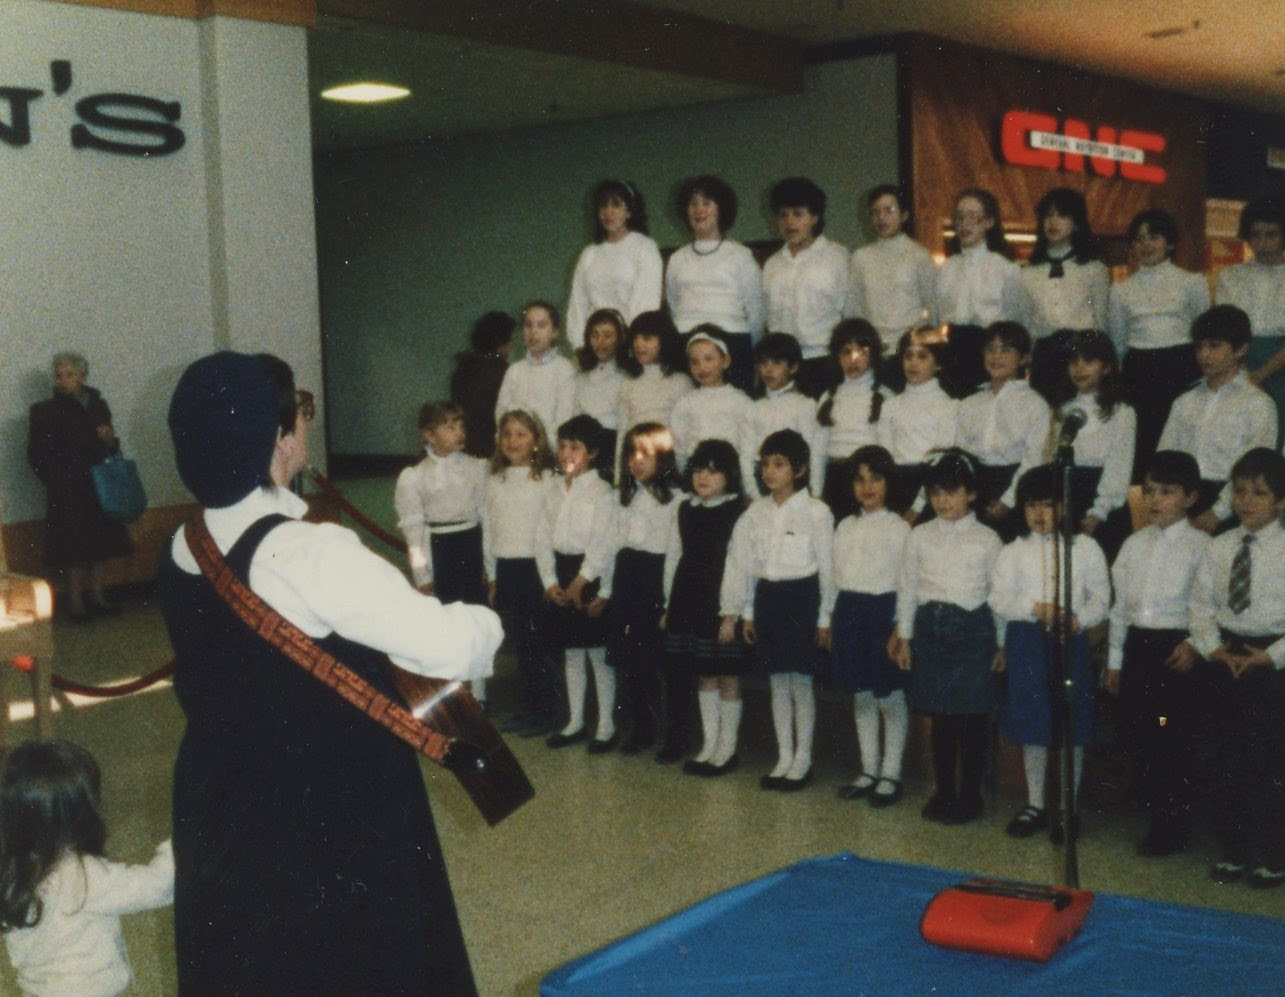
{"x": 1266, "y": 878}
{"x": 1028, "y": 821}
{"x": 1227, "y": 871}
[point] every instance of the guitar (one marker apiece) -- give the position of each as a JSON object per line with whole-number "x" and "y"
{"x": 477, "y": 755}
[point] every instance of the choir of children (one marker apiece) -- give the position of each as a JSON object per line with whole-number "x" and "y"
{"x": 715, "y": 556}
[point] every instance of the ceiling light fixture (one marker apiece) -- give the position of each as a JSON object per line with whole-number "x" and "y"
{"x": 365, "y": 93}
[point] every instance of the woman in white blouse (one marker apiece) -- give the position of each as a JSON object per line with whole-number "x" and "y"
{"x": 621, "y": 268}
{"x": 1064, "y": 285}
{"x": 1258, "y": 289}
{"x": 715, "y": 280}
{"x": 1149, "y": 318}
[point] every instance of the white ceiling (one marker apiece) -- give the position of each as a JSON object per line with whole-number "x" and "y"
{"x": 1233, "y": 50}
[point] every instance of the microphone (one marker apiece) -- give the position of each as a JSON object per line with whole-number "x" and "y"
{"x": 1071, "y": 426}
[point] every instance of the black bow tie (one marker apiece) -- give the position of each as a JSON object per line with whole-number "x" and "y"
{"x": 1055, "y": 269}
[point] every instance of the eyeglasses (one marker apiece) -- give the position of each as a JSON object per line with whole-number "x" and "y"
{"x": 305, "y": 405}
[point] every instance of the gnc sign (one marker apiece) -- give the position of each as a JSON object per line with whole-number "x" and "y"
{"x": 1029, "y": 138}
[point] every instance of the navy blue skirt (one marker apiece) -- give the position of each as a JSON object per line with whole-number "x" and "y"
{"x": 785, "y": 625}
{"x": 859, "y": 635}
{"x": 634, "y": 636}
{"x": 952, "y": 651}
{"x": 1027, "y": 716}
{"x": 569, "y": 625}
{"x": 457, "y": 566}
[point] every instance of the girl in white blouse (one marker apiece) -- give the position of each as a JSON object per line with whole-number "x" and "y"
{"x": 923, "y": 418}
{"x": 621, "y": 268}
{"x": 716, "y": 410}
{"x": 521, "y": 476}
{"x": 1064, "y": 284}
{"x": 1023, "y": 590}
{"x": 978, "y": 284}
{"x": 714, "y": 279}
{"x": 649, "y": 497}
{"x": 600, "y": 379}
{"x": 867, "y": 563}
{"x": 1104, "y": 446}
{"x": 655, "y": 371}
{"x": 1149, "y": 318}
{"x": 61, "y": 901}
{"x": 848, "y": 414}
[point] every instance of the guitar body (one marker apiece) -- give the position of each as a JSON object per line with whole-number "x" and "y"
{"x": 479, "y": 758}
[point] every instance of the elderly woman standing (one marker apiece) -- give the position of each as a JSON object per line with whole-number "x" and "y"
{"x": 69, "y": 434}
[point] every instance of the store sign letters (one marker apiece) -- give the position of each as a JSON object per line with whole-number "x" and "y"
{"x": 121, "y": 123}
{"x": 1029, "y": 138}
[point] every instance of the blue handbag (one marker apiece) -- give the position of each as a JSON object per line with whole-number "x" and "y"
{"x": 119, "y": 488}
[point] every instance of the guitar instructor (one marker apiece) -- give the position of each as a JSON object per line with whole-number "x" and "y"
{"x": 307, "y": 860}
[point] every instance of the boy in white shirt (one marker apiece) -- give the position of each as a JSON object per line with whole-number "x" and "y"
{"x": 1223, "y": 415}
{"x": 1149, "y": 663}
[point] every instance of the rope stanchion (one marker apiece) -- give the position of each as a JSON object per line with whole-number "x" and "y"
{"x": 362, "y": 520}
{"x": 107, "y": 691}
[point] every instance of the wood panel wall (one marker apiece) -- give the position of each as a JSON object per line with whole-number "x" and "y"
{"x": 956, "y": 99}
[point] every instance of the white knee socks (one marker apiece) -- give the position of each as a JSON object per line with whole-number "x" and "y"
{"x": 604, "y": 680}
{"x": 729, "y": 725}
{"x": 577, "y": 686}
{"x": 805, "y": 718}
{"x": 1035, "y": 759}
{"x": 896, "y": 725}
{"x": 865, "y": 710}
{"x": 707, "y": 700}
{"x": 782, "y": 723}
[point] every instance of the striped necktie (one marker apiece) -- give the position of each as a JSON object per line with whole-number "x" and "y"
{"x": 1242, "y": 567}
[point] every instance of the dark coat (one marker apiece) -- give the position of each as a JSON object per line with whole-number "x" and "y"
{"x": 62, "y": 445}
{"x": 306, "y": 857}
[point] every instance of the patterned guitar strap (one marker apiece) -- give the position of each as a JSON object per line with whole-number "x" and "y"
{"x": 296, "y": 645}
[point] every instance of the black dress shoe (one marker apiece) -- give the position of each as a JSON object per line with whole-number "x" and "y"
{"x": 880, "y": 799}
{"x": 1266, "y": 878}
{"x": 771, "y": 782}
{"x": 693, "y": 767}
{"x": 937, "y": 807}
{"x": 560, "y": 740}
{"x": 964, "y": 811}
{"x": 1227, "y": 871}
{"x": 670, "y": 753}
{"x": 1157, "y": 846}
{"x": 597, "y": 747}
{"x": 731, "y": 765}
{"x": 789, "y": 785}
{"x": 861, "y": 787}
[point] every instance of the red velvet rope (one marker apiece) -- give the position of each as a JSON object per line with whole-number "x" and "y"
{"x": 106, "y": 691}
{"x": 362, "y": 520}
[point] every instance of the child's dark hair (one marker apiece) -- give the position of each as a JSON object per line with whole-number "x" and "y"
{"x": 778, "y": 346}
{"x": 541, "y": 456}
{"x": 585, "y": 355}
{"x": 996, "y": 240}
{"x": 1014, "y": 336}
{"x": 790, "y": 444}
{"x": 1092, "y": 344}
{"x": 1174, "y": 467}
{"x": 799, "y": 192}
{"x": 896, "y": 192}
{"x": 629, "y": 195}
{"x": 847, "y": 332}
{"x": 717, "y": 190}
{"x": 1265, "y": 463}
{"x": 1069, "y": 204}
{"x": 491, "y": 332}
{"x": 49, "y": 804}
{"x": 656, "y": 439}
{"x": 949, "y": 469}
{"x": 1158, "y": 223}
{"x": 1222, "y": 324}
{"x": 935, "y": 339}
{"x": 1039, "y": 484}
{"x": 550, "y": 309}
{"x": 672, "y": 355}
{"x": 879, "y": 462}
{"x": 582, "y": 429}
{"x": 1262, "y": 209}
{"x": 719, "y": 456}
{"x": 433, "y": 414}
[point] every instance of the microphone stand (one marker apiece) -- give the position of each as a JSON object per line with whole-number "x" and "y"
{"x": 1063, "y": 681}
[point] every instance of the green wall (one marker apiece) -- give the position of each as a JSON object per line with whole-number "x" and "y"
{"x": 416, "y": 242}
